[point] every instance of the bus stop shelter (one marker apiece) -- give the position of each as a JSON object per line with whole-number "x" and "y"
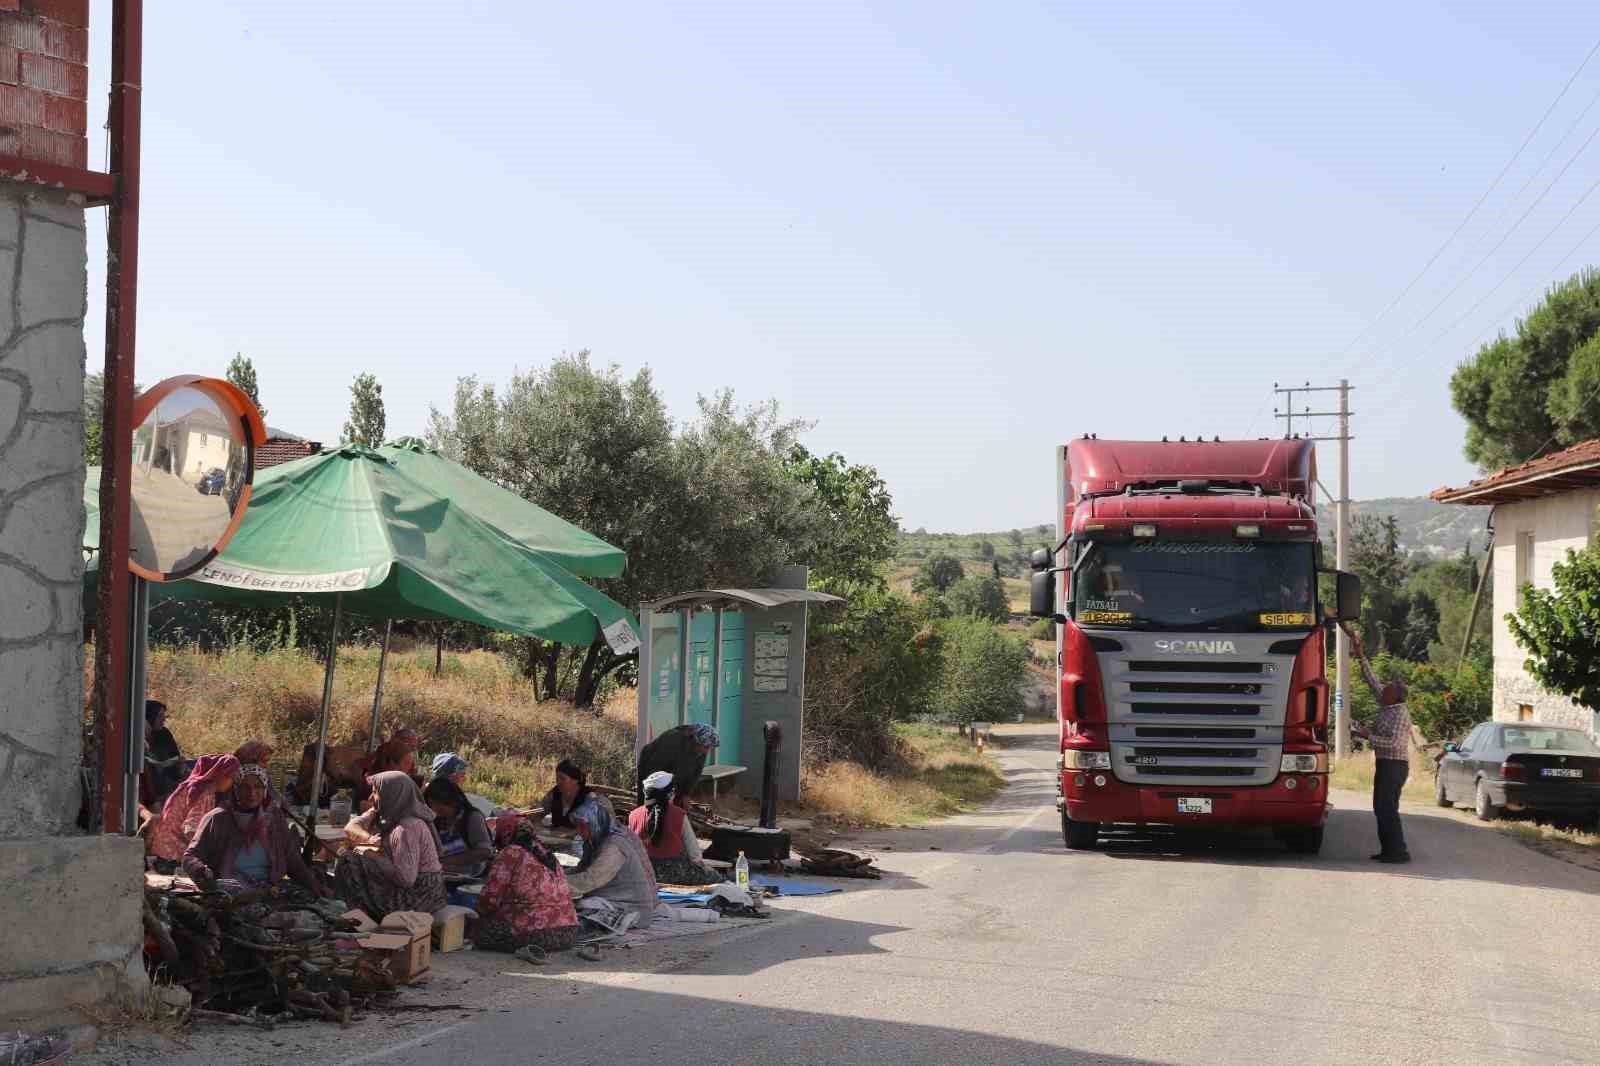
{"x": 732, "y": 659}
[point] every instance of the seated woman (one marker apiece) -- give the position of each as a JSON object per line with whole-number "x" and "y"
{"x": 213, "y": 776}
{"x": 399, "y": 752}
{"x": 571, "y": 791}
{"x": 668, "y": 836}
{"x": 614, "y": 865}
{"x": 245, "y": 843}
{"x": 163, "y": 760}
{"x": 406, "y": 875}
{"x": 259, "y": 753}
{"x": 465, "y": 845}
{"x": 526, "y": 900}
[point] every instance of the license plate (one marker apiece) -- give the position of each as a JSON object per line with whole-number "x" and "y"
{"x": 1557, "y": 771}
{"x": 1194, "y": 805}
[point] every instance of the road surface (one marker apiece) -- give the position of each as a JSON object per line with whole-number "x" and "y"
{"x": 992, "y": 944}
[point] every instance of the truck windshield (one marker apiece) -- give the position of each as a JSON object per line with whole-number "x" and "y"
{"x": 1196, "y": 585}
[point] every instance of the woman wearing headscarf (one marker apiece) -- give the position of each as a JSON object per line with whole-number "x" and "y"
{"x": 525, "y": 900}
{"x": 465, "y": 844}
{"x": 681, "y": 751}
{"x": 259, "y": 753}
{"x": 668, "y": 836}
{"x": 399, "y": 752}
{"x": 571, "y": 791}
{"x": 405, "y": 875}
{"x": 447, "y": 764}
{"x": 163, "y": 759}
{"x": 615, "y": 866}
{"x": 212, "y": 776}
{"x": 245, "y": 842}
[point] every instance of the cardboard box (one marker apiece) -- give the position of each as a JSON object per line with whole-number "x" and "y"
{"x": 450, "y": 928}
{"x": 405, "y": 939}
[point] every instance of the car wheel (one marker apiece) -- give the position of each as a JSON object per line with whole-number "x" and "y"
{"x": 1485, "y": 807}
{"x": 1440, "y": 796}
{"x": 1302, "y": 840}
{"x": 1080, "y": 836}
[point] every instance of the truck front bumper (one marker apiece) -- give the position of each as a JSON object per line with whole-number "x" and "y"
{"x": 1274, "y": 805}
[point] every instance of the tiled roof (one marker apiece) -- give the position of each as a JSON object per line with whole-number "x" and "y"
{"x": 1575, "y": 467}
{"x": 275, "y": 450}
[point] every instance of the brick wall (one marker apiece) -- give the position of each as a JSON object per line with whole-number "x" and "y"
{"x": 44, "y": 80}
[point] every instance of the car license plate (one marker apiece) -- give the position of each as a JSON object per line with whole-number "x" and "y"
{"x": 1194, "y": 805}
{"x": 1560, "y": 771}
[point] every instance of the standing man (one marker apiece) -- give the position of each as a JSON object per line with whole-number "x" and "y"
{"x": 1391, "y": 743}
{"x": 681, "y": 752}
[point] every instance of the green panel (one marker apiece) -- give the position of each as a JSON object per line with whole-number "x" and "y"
{"x": 664, "y": 654}
{"x": 730, "y": 719}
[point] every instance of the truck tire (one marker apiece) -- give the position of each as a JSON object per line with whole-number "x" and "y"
{"x": 1080, "y": 836}
{"x": 1483, "y": 805}
{"x": 1440, "y": 796}
{"x": 1302, "y": 840}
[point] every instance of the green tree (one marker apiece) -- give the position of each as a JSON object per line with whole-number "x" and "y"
{"x": 937, "y": 573}
{"x": 985, "y": 549}
{"x": 978, "y": 597}
{"x": 242, "y": 372}
{"x": 982, "y": 673}
{"x": 367, "y": 421}
{"x": 859, "y": 530}
{"x": 1559, "y": 628}
{"x": 1539, "y": 387}
{"x": 1376, "y": 556}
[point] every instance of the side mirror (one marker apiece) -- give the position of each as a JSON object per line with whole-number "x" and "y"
{"x": 1040, "y": 559}
{"x": 1451, "y": 748}
{"x": 1042, "y": 595}
{"x": 1348, "y": 597}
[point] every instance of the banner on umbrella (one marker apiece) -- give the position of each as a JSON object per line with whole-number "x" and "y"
{"x": 240, "y": 577}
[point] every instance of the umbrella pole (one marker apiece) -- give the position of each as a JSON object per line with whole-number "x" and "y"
{"x": 327, "y": 704}
{"x": 377, "y": 697}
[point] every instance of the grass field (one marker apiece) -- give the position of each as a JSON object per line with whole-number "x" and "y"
{"x": 946, "y": 776}
{"x": 1356, "y": 772}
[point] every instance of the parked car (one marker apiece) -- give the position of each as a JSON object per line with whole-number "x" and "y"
{"x": 212, "y": 481}
{"x": 1521, "y": 766}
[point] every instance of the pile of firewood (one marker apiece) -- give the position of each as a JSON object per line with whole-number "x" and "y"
{"x": 264, "y": 957}
{"x": 831, "y": 862}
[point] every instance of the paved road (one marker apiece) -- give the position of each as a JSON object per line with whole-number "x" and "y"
{"x": 994, "y": 944}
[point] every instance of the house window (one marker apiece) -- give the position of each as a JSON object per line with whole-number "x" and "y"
{"x": 1524, "y": 712}
{"x": 1524, "y": 559}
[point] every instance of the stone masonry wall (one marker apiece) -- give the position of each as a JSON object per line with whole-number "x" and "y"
{"x": 43, "y": 284}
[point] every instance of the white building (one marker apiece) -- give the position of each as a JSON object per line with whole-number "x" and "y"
{"x": 1541, "y": 509}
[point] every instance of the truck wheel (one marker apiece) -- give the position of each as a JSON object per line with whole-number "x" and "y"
{"x": 1305, "y": 840}
{"x": 1439, "y": 795}
{"x": 1485, "y": 807}
{"x": 1080, "y": 836}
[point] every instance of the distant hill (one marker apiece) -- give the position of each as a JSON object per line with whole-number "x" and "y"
{"x": 1434, "y": 529}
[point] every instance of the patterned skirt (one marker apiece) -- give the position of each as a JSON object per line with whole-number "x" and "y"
{"x": 684, "y": 871}
{"x": 360, "y": 884}
{"x": 496, "y": 934}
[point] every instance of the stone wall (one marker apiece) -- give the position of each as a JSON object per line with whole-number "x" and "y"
{"x": 70, "y": 905}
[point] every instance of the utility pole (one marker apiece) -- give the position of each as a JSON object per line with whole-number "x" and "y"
{"x": 1341, "y": 534}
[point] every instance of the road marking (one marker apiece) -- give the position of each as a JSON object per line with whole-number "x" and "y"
{"x": 394, "y": 1049}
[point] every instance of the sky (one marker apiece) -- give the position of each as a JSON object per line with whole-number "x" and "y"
{"x": 953, "y": 236}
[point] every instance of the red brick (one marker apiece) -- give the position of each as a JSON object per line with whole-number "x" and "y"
{"x": 10, "y": 5}
{"x": 65, "y": 115}
{"x": 44, "y": 146}
{"x": 72, "y": 12}
{"x": 8, "y": 65}
{"x": 64, "y": 42}
{"x": 54, "y": 75}
{"x": 21, "y": 107}
{"x": 22, "y": 32}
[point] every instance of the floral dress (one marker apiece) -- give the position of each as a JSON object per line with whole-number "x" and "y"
{"x": 525, "y": 900}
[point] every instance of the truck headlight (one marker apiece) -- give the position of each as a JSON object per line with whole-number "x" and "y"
{"x": 1086, "y": 760}
{"x": 1303, "y": 764}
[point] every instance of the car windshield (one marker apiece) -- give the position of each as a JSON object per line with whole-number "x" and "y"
{"x": 1233, "y": 585}
{"x": 1530, "y": 738}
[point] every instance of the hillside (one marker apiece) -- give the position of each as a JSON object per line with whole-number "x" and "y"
{"x": 1433, "y": 529}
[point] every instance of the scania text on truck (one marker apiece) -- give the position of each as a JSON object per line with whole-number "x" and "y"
{"x": 1190, "y": 638}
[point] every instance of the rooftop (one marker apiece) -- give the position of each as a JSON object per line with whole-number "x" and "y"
{"x": 1549, "y": 475}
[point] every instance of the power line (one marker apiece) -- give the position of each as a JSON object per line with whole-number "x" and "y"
{"x": 1537, "y": 126}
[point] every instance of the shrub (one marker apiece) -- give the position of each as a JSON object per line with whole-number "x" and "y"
{"x": 978, "y": 597}
{"x": 982, "y": 673}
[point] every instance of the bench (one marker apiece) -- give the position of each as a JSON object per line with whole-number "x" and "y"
{"x": 718, "y": 772}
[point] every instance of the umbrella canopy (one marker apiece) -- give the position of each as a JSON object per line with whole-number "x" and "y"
{"x": 350, "y": 521}
{"x": 526, "y": 523}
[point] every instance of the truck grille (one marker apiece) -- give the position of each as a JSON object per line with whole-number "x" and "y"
{"x": 1195, "y": 720}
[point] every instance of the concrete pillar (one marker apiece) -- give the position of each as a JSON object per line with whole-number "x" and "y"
{"x": 70, "y": 905}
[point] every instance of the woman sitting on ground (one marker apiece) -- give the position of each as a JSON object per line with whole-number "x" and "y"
{"x": 163, "y": 759}
{"x": 259, "y": 753}
{"x": 615, "y": 866}
{"x": 406, "y": 875}
{"x": 399, "y": 752}
{"x": 465, "y": 845}
{"x": 245, "y": 843}
{"x": 212, "y": 777}
{"x": 668, "y": 836}
{"x": 525, "y": 900}
{"x": 572, "y": 791}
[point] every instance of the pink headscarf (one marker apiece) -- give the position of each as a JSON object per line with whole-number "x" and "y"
{"x": 190, "y": 802}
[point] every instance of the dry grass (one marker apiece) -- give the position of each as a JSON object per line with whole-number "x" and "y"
{"x": 479, "y": 706}
{"x": 1356, "y": 773}
{"x": 1555, "y": 840}
{"x": 945, "y": 776}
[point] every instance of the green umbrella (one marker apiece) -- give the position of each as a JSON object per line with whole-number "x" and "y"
{"x": 526, "y": 523}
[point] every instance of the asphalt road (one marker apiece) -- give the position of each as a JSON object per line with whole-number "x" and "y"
{"x": 991, "y": 943}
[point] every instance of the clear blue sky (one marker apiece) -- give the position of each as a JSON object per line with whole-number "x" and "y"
{"x": 953, "y": 235}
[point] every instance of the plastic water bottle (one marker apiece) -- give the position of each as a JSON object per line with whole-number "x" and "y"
{"x": 339, "y": 809}
{"x": 741, "y": 872}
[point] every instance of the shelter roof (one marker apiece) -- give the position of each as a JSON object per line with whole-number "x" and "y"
{"x": 1572, "y": 468}
{"x": 761, "y": 598}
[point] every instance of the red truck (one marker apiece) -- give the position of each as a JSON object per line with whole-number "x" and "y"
{"x": 1190, "y": 655}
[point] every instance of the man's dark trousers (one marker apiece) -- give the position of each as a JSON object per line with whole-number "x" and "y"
{"x": 1386, "y": 785}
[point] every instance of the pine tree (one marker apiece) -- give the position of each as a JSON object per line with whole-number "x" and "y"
{"x": 367, "y": 420}
{"x": 242, "y": 372}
